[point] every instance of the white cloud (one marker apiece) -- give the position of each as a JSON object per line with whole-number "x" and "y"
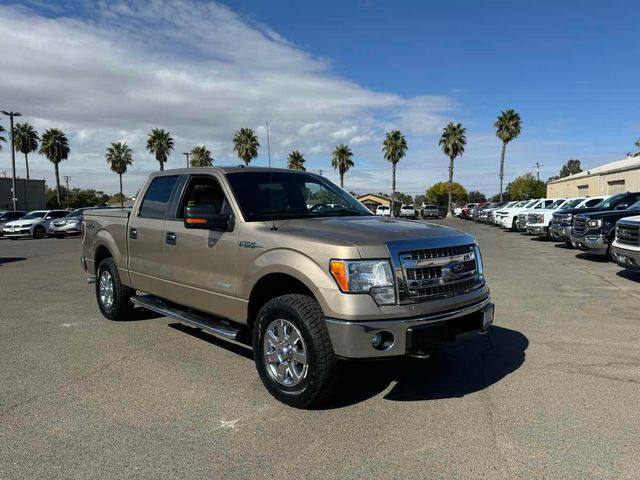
{"x": 115, "y": 71}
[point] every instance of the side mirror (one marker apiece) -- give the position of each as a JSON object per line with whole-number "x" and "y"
{"x": 205, "y": 217}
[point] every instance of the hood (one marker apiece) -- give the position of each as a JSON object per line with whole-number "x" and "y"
{"x": 613, "y": 214}
{"x": 579, "y": 211}
{"x": 372, "y": 231}
{"x": 22, "y": 223}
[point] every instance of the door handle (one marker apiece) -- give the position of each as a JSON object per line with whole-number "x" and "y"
{"x": 133, "y": 233}
{"x": 171, "y": 238}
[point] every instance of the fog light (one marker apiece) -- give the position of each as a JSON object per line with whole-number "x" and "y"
{"x": 382, "y": 340}
{"x": 376, "y": 340}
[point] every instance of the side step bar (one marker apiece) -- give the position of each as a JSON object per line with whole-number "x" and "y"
{"x": 212, "y": 325}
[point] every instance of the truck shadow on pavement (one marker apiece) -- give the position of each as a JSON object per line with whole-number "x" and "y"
{"x": 4, "y": 260}
{"x": 631, "y": 275}
{"x": 453, "y": 372}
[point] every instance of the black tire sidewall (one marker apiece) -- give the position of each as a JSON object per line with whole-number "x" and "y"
{"x": 302, "y": 394}
{"x": 121, "y": 307}
{"x": 39, "y": 229}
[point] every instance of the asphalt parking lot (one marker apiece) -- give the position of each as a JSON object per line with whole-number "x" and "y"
{"x": 552, "y": 392}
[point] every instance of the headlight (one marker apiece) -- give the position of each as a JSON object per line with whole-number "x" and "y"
{"x": 595, "y": 223}
{"x": 374, "y": 277}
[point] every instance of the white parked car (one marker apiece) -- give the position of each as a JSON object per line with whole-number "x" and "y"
{"x": 34, "y": 224}
{"x": 383, "y": 211}
{"x": 407, "y": 211}
{"x": 504, "y": 215}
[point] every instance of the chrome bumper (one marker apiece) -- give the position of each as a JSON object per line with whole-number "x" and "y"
{"x": 561, "y": 233}
{"x": 625, "y": 257}
{"x": 356, "y": 339}
{"x": 539, "y": 230}
{"x": 595, "y": 244}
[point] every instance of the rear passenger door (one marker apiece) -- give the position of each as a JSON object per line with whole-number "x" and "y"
{"x": 200, "y": 265}
{"x": 145, "y": 236}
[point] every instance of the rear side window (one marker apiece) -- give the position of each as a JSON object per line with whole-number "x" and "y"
{"x": 156, "y": 198}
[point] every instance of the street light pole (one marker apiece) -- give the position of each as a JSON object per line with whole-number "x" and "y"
{"x": 13, "y": 156}
{"x": 67, "y": 178}
{"x": 186, "y": 154}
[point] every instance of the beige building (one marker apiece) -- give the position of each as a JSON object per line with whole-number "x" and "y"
{"x": 614, "y": 177}
{"x": 373, "y": 201}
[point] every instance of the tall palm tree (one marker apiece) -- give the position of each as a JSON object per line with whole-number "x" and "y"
{"x": 452, "y": 141}
{"x": 296, "y": 161}
{"x": 341, "y": 161}
{"x": 119, "y": 156}
{"x": 2, "y": 139}
{"x": 394, "y": 148}
{"x": 246, "y": 144}
{"x": 55, "y": 146}
{"x": 25, "y": 139}
{"x": 508, "y": 126}
{"x": 160, "y": 143}
{"x": 201, "y": 157}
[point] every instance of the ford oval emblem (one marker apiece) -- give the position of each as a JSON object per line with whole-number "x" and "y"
{"x": 456, "y": 268}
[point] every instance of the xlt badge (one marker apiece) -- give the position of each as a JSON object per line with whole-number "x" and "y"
{"x": 247, "y": 244}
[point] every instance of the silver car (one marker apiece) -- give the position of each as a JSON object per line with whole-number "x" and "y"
{"x": 9, "y": 216}
{"x": 67, "y": 225}
{"x": 34, "y": 224}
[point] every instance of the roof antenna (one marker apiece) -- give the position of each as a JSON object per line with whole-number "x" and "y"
{"x": 273, "y": 220}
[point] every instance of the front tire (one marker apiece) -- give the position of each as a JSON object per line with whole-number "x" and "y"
{"x": 293, "y": 352}
{"x": 39, "y": 232}
{"x": 114, "y": 299}
{"x": 514, "y": 226}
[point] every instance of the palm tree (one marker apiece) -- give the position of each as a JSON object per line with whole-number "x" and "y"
{"x": 342, "y": 161}
{"x": 201, "y": 157}
{"x": 25, "y": 139}
{"x": 2, "y": 139}
{"x": 160, "y": 143}
{"x": 246, "y": 144}
{"x": 508, "y": 126}
{"x": 296, "y": 161}
{"x": 394, "y": 148}
{"x": 55, "y": 146}
{"x": 452, "y": 141}
{"x": 119, "y": 156}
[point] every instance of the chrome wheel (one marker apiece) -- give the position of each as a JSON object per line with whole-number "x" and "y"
{"x": 106, "y": 289}
{"x": 285, "y": 353}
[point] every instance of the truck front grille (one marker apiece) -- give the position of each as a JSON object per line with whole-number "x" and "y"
{"x": 579, "y": 226}
{"x": 628, "y": 234}
{"x": 522, "y": 220}
{"x": 439, "y": 272}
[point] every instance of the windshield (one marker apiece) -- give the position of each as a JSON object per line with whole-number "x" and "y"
{"x": 611, "y": 201}
{"x": 556, "y": 204}
{"x": 572, "y": 204}
{"x": 283, "y": 195}
{"x": 634, "y": 206}
{"x": 75, "y": 213}
{"x": 36, "y": 214}
{"x": 531, "y": 203}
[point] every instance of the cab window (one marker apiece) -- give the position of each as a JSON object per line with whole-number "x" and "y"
{"x": 203, "y": 191}
{"x": 156, "y": 198}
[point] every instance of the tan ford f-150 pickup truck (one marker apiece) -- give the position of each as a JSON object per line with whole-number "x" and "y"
{"x": 310, "y": 270}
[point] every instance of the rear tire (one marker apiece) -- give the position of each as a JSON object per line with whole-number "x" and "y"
{"x": 39, "y": 232}
{"x": 114, "y": 299}
{"x": 293, "y": 352}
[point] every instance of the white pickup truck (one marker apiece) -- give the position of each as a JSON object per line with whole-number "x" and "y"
{"x": 507, "y": 218}
{"x": 625, "y": 249}
{"x": 538, "y": 222}
{"x": 523, "y": 216}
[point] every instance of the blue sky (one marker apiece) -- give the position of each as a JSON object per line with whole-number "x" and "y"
{"x": 329, "y": 72}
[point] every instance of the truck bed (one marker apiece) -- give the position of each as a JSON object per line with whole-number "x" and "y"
{"x": 109, "y": 228}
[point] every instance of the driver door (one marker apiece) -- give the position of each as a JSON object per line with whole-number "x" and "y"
{"x": 200, "y": 265}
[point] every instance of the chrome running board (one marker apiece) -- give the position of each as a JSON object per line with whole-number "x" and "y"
{"x": 219, "y": 327}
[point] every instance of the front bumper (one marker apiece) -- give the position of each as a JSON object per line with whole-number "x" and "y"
{"x": 539, "y": 230}
{"x": 625, "y": 257}
{"x": 16, "y": 232}
{"x": 72, "y": 229}
{"x": 561, "y": 233}
{"x": 410, "y": 336}
{"x": 595, "y": 244}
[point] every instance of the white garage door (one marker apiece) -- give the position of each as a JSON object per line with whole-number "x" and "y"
{"x": 616, "y": 186}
